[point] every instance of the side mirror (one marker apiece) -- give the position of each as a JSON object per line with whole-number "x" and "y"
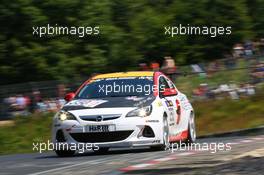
{"x": 169, "y": 92}
{"x": 69, "y": 96}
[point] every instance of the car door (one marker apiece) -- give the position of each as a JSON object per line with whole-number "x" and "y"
{"x": 178, "y": 110}
{"x": 168, "y": 103}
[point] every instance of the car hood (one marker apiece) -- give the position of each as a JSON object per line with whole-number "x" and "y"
{"x": 110, "y": 102}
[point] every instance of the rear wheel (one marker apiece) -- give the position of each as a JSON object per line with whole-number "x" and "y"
{"x": 64, "y": 153}
{"x": 165, "y": 134}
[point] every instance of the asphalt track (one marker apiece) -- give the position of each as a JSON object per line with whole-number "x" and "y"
{"x": 245, "y": 157}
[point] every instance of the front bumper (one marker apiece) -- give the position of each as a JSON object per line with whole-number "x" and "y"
{"x": 127, "y": 134}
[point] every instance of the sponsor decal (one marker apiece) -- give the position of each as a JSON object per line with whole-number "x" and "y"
{"x": 86, "y": 103}
{"x": 185, "y": 102}
{"x": 171, "y": 109}
{"x": 169, "y": 103}
{"x": 124, "y": 78}
{"x": 134, "y": 98}
{"x": 159, "y": 103}
{"x": 152, "y": 121}
{"x": 146, "y": 101}
{"x": 156, "y": 141}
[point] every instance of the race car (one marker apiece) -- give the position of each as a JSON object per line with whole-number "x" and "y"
{"x": 125, "y": 109}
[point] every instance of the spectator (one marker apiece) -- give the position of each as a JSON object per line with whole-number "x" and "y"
{"x": 257, "y": 73}
{"x": 35, "y": 98}
{"x": 250, "y": 89}
{"x": 143, "y": 67}
{"x": 198, "y": 69}
{"x": 201, "y": 92}
{"x": 61, "y": 90}
{"x": 20, "y": 102}
{"x": 248, "y": 46}
{"x": 238, "y": 51}
{"x": 233, "y": 91}
{"x": 154, "y": 66}
{"x": 168, "y": 65}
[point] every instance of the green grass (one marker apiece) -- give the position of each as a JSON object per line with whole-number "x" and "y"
{"x": 211, "y": 117}
{"x": 227, "y": 115}
{"x": 19, "y": 138}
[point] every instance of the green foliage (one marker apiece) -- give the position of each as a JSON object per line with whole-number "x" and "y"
{"x": 256, "y": 9}
{"x": 19, "y": 137}
{"x": 130, "y": 32}
{"x": 227, "y": 115}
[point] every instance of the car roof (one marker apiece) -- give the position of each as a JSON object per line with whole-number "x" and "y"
{"x": 125, "y": 74}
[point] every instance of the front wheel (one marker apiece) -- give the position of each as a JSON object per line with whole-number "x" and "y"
{"x": 191, "y": 130}
{"x": 165, "y": 134}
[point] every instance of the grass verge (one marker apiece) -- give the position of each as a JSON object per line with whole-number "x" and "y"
{"x": 19, "y": 137}
{"x": 226, "y": 115}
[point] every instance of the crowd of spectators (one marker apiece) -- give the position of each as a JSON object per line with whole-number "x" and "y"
{"x": 254, "y": 76}
{"x": 232, "y": 90}
{"x": 249, "y": 48}
{"x": 251, "y": 53}
{"x": 30, "y": 103}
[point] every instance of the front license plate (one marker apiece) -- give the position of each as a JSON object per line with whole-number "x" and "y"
{"x": 100, "y": 128}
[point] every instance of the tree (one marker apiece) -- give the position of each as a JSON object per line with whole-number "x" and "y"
{"x": 130, "y": 32}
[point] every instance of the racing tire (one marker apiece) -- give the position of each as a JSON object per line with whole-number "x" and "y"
{"x": 191, "y": 138}
{"x": 165, "y": 134}
{"x": 64, "y": 153}
{"x": 101, "y": 150}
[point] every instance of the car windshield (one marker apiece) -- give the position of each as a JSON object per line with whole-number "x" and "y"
{"x": 117, "y": 87}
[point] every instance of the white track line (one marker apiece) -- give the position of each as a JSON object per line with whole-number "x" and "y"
{"x": 69, "y": 166}
{"x": 163, "y": 159}
{"x": 246, "y": 141}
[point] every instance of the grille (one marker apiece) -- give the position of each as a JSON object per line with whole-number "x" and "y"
{"x": 98, "y": 118}
{"x": 98, "y": 137}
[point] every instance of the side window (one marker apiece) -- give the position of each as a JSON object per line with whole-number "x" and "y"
{"x": 171, "y": 84}
{"x": 163, "y": 84}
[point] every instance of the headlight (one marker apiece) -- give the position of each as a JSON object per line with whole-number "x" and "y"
{"x": 140, "y": 112}
{"x": 63, "y": 115}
